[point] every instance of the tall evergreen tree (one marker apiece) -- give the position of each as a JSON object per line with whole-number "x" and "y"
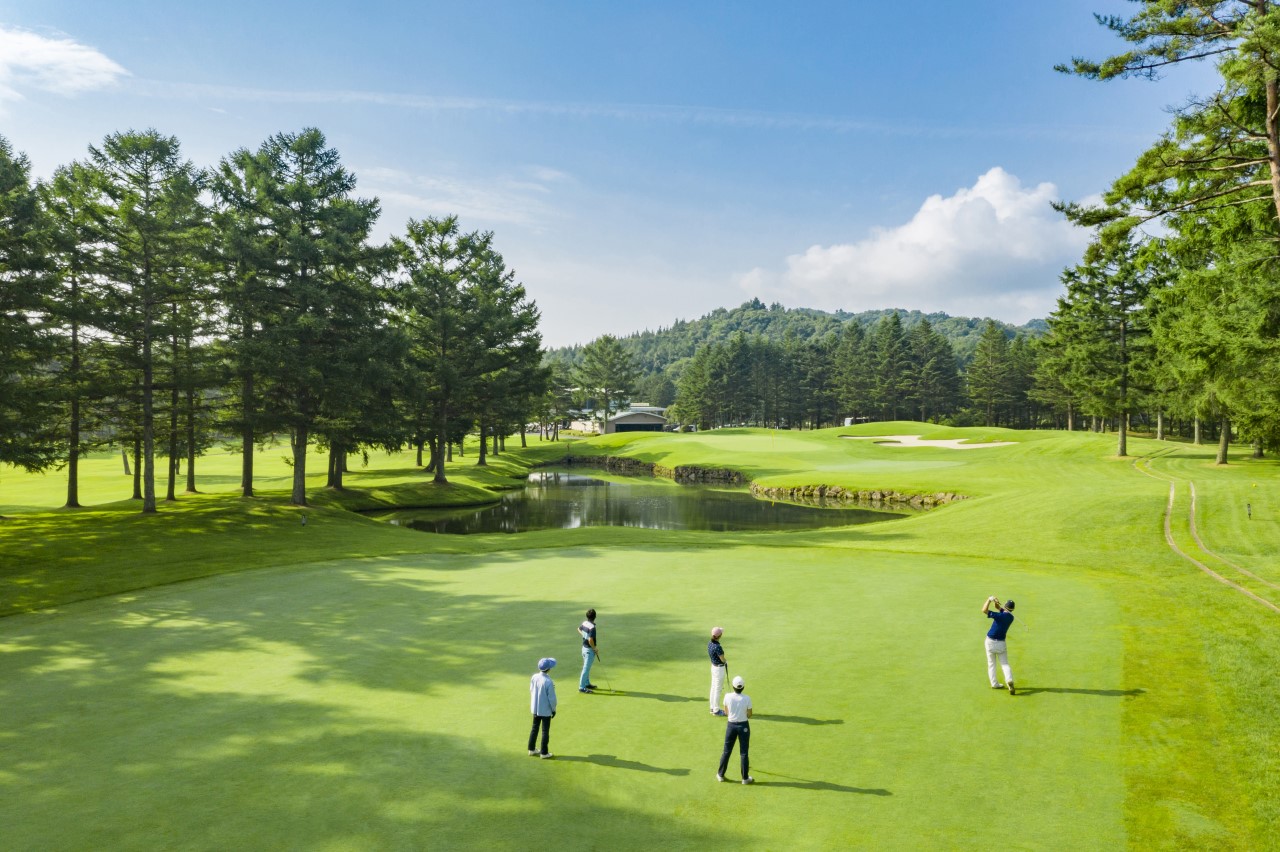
{"x": 608, "y": 373}
{"x": 315, "y": 258}
{"x": 149, "y": 219}
{"x": 72, "y": 198}
{"x": 27, "y": 438}
{"x": 988, "y": 374}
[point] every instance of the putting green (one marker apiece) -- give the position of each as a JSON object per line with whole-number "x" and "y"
{"x": 381, "y": 702}
{"x": 384, "y": 703}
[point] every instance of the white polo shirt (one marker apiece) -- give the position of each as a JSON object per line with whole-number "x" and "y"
{"x": 736, "y": 704}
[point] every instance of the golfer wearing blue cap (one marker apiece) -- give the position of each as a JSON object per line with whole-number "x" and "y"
{"x": 542, "y": 701}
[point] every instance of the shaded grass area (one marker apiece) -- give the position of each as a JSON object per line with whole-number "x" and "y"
{"x": 53, "y": 556}
{"x": 379, "y": 697}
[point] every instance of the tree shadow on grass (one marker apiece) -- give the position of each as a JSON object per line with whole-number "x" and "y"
{"x": 803, "y": 784}
{"x": 620, "y": 763}
{"x": 800, "y": 720}
{"x": 1105, "y": 693}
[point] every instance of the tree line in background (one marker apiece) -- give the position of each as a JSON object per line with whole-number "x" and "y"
{"x": 160, "y": 307}
{"x": 889, "y": 371}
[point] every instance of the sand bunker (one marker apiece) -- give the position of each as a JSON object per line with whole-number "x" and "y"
{"x": 917, "y": 441}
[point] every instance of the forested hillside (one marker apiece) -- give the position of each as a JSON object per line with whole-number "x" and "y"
{"x": 667, "y": 348}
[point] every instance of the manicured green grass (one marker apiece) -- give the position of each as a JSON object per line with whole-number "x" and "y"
{"x": 367, "y": 688}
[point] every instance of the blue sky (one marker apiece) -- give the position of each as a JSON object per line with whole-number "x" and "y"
{"x": 648, "y": 161}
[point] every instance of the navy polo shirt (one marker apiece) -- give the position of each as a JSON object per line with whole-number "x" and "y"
{"x": 715, "y": 651}
{"x": 1000, "y": 623}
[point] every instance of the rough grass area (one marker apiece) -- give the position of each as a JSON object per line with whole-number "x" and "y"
{"x": 366, "y": 686}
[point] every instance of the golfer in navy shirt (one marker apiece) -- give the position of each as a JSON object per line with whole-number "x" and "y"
{"x": 1001, "y": 621}
{"x": 719, "y": 668}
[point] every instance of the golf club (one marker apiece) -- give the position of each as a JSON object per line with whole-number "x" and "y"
{"x": 603, "y": 676}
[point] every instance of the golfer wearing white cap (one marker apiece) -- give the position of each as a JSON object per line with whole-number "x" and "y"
{"x": 738, "y": 728}
{"x": 542, "y": 701}
{"x": 719, "y": 668}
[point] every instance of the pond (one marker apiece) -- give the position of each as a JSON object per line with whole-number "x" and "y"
{"x": 560, "y": 500}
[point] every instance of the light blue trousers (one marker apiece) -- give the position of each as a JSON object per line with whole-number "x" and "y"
{"x": 588, "y": 657}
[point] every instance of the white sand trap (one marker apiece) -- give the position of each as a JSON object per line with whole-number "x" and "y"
{"x": 917, "y": 441}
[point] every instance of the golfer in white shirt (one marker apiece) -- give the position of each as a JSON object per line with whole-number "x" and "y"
{"x": 738, "y": 729}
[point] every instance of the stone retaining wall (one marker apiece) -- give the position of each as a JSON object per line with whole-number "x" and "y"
{"x": 684, "y": 474}
{"x": 829, "y": 495}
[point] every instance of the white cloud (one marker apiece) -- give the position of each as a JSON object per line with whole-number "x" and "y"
{"x": 478, "y": 203}
{"x": 993, "y": 249}
{"x": 58, "y": 65}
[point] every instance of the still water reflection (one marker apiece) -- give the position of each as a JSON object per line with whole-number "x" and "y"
{"x": 557, "y": 500}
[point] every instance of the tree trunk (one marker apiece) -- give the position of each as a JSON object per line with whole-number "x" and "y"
{"x": 148, "y": 423}
{"x": 73, "y": 431}
{"x": 1224, "y": 441}
{"x": 420, "y": 442}
{"x": 124, "y": 457}
{"x": 73, "y": 455}
{"x": 299, "y": 438}
{"x": 247, "y": 408}
{"x": 171, "y": 489}
{"x": 1159, "y": 425}
{"x": 523, "y": 442}
{"x": 442, "y": 440}
{"x": 1257, "y": 449}
{"x": 1122, "y": 445}
{"x": 484, "y": 443}
{"x": 137, "y": 468}
{"x": 191, "y": 441}
{"x": 337, "y": 455}
{"x": 1196, "y": 430}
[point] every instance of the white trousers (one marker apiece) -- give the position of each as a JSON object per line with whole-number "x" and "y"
{"x": 717, "y": 685}
{"x": 996, "y": 651}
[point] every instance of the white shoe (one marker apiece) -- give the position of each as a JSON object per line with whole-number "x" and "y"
{"x": 532, "y": 752}
{"x": 719, "y": 777}
{"x": 547, "y": 756}
{"x": 748, "y": 780}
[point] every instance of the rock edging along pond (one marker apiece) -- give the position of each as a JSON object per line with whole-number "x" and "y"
{"x": 684, "y": 474}
{"x": 826, "y": 495}
{"x": 814, "y": 495}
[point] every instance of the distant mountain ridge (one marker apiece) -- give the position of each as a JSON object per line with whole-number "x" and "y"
{"x": 657, "y": 351}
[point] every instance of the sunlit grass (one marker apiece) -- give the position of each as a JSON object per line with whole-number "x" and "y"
{"x": 365, "y": 686}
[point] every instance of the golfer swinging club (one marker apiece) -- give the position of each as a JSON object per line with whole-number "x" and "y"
{"x": 1001, "y": 621}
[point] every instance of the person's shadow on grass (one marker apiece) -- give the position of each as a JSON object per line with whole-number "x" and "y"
{"x": 800, "y": 720}
{"x": 619, "y": 763}
{"x": 803, "y": 784}
{"x": 1063, "y": 690}
{"x": 656, "y": 696}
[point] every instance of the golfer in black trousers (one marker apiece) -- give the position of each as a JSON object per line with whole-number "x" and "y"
{"x": 738, "y": 729}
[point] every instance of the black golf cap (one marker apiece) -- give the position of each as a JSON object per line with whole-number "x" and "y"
{"x": 1008, "y": 604}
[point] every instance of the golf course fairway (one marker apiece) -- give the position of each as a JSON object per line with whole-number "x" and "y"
{"x": 222, "y": 676}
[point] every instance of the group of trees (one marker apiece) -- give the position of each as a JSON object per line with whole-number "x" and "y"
{"x": 887, "y": 372}
{"x": 1183, "y": 321}
{"x": 159, "y": 306}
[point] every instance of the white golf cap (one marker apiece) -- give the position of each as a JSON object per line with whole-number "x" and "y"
{"x": 738, "y": 682}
